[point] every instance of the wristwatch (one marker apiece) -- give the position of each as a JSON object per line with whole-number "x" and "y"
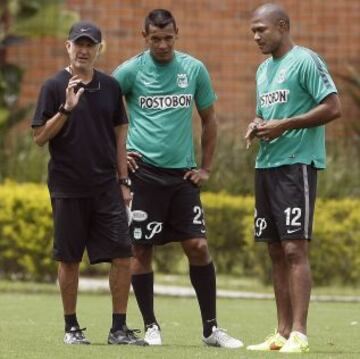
{"x": 63, "y": 110}
{"x": 126, "y": 181}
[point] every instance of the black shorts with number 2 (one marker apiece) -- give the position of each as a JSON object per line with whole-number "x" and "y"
{"x": 165, "y": 208}
{"x": 284, "y": 202}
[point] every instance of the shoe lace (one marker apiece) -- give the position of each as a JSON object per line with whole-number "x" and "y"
{"x": 131, "y": 333}
{"x": 270, "y": 337}
{"x": 299, "y": 341}
{"x": 152, "y": 330}
{"x": 222, "y": 335}
{"x": 78, "y": 332}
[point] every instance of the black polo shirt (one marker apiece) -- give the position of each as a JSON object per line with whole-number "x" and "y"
{"x": 83, "y": 154}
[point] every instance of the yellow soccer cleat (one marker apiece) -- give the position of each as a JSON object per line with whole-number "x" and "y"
{"x": 296, "y": 344}
{"x": 273, "y": 342}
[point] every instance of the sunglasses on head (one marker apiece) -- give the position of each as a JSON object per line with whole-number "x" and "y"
{"x": 87, "y": 89}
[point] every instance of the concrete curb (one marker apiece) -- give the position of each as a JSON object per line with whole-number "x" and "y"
{"x": 101, "y": 285}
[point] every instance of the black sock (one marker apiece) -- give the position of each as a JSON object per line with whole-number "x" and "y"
{"x": 143, "y": 286}
{"x": 70, "y": 321}
{"x": 203, "y": 280}
{"x": 118, "y": 321}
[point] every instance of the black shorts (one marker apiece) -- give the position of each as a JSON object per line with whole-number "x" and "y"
{"x": 166, "y": 208}
{"x": 284, "y": 202}
{"x": 98, "y": 224}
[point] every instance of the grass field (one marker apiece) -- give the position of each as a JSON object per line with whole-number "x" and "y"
{"x": 31, "y": 327}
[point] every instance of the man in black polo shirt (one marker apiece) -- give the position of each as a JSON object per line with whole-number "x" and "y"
{"x": 81, "y": 114}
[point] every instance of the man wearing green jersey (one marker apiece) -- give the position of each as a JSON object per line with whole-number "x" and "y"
{"x": 161, "y": 86}
{"x": 295, "y": 98}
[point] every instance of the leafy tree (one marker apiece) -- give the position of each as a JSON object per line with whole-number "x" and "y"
{"x": 352, "y": 80}
{"x": 20, "y": 20}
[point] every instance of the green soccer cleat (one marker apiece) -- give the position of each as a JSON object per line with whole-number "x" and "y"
{"x": 295, "y": 344}
{"x": 273, "y": 342}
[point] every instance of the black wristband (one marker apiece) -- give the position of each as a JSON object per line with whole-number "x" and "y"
{"x": 63, "y": 110}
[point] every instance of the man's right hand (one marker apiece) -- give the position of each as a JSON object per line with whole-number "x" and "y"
{"x": 131, "y": 160}
{"x": 72, "y": 98}
{"x": 251, "y": 130}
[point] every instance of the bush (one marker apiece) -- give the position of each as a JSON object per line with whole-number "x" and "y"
{"x": 233, "y": 169}
{"x": 26, "y": 232}
{"x": 26, "y": 238}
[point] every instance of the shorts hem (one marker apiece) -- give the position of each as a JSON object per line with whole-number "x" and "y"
{"x": 294, "y": 237}
{"x": 66, "y": 260}
{"x": 266, "y": 240}
{"x": 173, "y": 240}
{"x": 110, "y": 259}
{"x": 192, "y": 236}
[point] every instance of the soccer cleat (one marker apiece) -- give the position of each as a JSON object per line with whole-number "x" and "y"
{"x": 126, "y": 336}
{"x": 272, "y": 342}
{"x": 219, "y": 338}
{"x": 75, "y": 336}
{"x": 153, "y": 335}
{"x": 295, "y": 344}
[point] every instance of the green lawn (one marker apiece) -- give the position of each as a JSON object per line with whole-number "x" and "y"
{"x": 31, "y": 327}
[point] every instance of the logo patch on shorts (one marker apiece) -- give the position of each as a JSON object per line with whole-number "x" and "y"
{"x": 260, "y": 226}
{"x": 137, "y": 233}
{"x": 153, "y": 228}
{"x": 139, "y": 216}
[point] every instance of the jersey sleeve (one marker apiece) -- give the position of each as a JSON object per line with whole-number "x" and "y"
{"x": 120, "y": 116}
{"x": 46, "y": 106}
{"x": 204, "y": 94}
{"x": 258, "y": 108}
{"x": 315, "y": 77}
{"x": 125, "y": 76}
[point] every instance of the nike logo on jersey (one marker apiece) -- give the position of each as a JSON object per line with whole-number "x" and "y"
{"x": 290, "y": 231}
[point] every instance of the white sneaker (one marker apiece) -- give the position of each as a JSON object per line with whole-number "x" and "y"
{"x": 153, "y": 335}
{"x": 272, "y": 342}
{"x": 219, "y": 338}
{"x": 297, "y": 343}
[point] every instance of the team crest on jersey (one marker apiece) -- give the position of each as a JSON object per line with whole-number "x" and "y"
{"x": 281, "y": 77}
{"x": 137, "y": 233}
{"x": 182, "y": 80}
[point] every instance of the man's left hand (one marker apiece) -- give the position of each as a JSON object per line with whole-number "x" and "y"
{"x": 271, "y": 129}
{"x": 197, "y": 176}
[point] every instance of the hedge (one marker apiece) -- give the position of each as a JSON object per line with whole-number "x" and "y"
{"x": 26, "y": 238}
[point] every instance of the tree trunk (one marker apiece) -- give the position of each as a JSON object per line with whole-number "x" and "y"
{"x": 4, "y": 25}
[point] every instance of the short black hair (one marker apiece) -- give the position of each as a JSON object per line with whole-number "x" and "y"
{"x": 159, "y": 18}
{"x": 275, "y": 12}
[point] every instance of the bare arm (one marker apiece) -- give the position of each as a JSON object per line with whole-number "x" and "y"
{"x": 51, "y": 128}
{"x": 122, "y": 168}
{"x": 208, "y": 143}
{"x": 328, "y": 110}
{"x": 43, "y": 134}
